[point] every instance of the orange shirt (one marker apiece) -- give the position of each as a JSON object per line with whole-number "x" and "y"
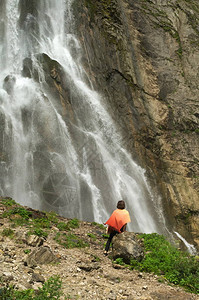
{"x": 118, "y": 219}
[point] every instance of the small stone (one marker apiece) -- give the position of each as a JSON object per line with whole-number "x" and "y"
{"x": 145, "y": 287}
{"x": 37, "y": 277}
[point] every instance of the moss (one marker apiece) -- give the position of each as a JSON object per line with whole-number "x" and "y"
{"x": 161, "y": 20}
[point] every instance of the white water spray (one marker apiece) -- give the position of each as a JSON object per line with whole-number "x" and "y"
{"x": 77, "y": 167}
{"x": 190, "y": 248}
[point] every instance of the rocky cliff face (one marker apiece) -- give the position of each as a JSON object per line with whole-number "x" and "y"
{"x": 142, "y": 56}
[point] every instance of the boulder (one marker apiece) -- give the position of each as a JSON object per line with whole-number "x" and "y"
{"x": 127, "y": 246}
{"x": 41, "y": 255}
{"x": 36, "y": 277}
{"x": 8, "y": 84}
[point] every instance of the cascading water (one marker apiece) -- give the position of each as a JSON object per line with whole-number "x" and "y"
{"x": 77, "y": 168}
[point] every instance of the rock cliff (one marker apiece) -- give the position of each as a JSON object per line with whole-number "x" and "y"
{"x": 142, "y": 56}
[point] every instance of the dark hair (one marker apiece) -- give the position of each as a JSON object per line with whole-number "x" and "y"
{"x": 121, "y": 204}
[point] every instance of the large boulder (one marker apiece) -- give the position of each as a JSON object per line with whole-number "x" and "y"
{"x": 128, "y": 246}
{"x": 41, "y": 255}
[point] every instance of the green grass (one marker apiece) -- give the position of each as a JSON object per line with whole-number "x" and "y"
{"x": 74, "y": 223}
{"x": 162, "y": 258}
{"x": 8, "y": 202}
{"x": 92, "y": 236}
{"x": 39, "y": 223}
{"x": 39, "y": 232}
{"x": 69, "y": 240}
{"x": 51, "y": 289}
{"x": 101, "y": 226}
{"x": 8, "y": 232}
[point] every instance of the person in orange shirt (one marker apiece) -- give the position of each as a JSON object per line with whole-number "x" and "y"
{"x": 117, "y": 223}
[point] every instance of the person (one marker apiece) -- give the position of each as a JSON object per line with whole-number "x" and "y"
{"x": 117, "y": 223}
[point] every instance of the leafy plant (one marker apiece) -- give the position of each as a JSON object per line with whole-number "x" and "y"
{"x": 8, "y": 202}
{"x": 69, "y": 240}
{"x": 21, "y": 211}
{"x": 8, "y": 232}
{"x": 27, "y": 251}
{"x": 101, "y": 226}
{"x": 62, "y": 226}
{"x": 164, "y": 259}
{"x": 92, "y": 236}
{"x": 74, "y": 223}
{"x": 119, "y": 261}
{"x": 39, "y": 232}
{"x": 51, "y": 289}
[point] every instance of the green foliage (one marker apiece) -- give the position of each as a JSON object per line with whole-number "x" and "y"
{"x": 39, "y": 232}
{"x": 105, "y": 236}
{"x": 8, "y": 232}
{"x": 101, "y": 226}
{"x": 51, "y": 289}
{"x": 52, "y": 217}
{"x": 162, "y": 258}
{"x": 95, "y": 258}
{"x": 119, "y": 261}
{"x": 21, "y": 211}
{"x": 92, "y": 236}
{"x": 42, "y": 223}
{"x": 27, "y": 251}
{"x": 69, "y": 240}
{"x": 8, "y": 202}
{"x": 74, "y": 223}
{"x": 62, "y": 226}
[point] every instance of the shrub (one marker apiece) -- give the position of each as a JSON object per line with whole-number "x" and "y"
{"x": 162, "y": 258}
{"x": 51, "y": 289}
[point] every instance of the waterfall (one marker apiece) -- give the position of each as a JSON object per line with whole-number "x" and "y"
{"x": 74, "y": 166}
{"x": 190, "y": 248}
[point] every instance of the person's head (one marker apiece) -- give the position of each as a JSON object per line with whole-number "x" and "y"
{"x": 121, "y": 204}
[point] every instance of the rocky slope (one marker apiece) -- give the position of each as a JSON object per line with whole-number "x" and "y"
{"x": 142, "y": 56}
{"x": 27, "y": 260}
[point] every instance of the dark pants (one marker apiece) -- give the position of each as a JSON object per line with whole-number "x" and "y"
{"x": 112, "y": 234}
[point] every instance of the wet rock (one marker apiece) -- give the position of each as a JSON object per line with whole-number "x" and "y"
{"x": 127, "y": 246}
{"x": 8, "y": 84}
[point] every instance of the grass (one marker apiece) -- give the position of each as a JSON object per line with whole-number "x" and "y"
{"x": 8, "y": 232}
{"x": 69, "y": 240}
{"x": 162, "y": 258}
{"x": 101, "y": 226}
{"x": 92, "y": 236}
{"x": 51, "y": 289}
{"x": 39, "y": 223}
